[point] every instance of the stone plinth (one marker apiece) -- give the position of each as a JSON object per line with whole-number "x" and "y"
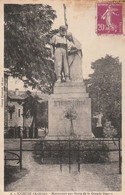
{"x": 70, "y": 98}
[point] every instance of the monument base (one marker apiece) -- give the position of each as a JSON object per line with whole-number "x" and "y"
{"x": 77, "y": 137}
{"x": 69, "y": 112}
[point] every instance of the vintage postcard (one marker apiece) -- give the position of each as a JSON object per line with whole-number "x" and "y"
{"x": 62, "y": 97}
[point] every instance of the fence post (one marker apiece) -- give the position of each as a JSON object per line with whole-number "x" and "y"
{"x": 119, "y": 156}
{"x": 5, "y": 164}
{"x": 60, "y": 156}
{"x": 79, "y": 156}
{"x": 20, "y": 153}
{"x": 15, "y": 132}
{"x": 69, "y": 157}
{"x": 42, "y": 150}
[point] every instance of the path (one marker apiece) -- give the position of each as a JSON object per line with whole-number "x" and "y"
{"x": 50, "y": 178}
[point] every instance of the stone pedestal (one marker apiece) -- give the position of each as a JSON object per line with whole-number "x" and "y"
{"x": 69, "y": 99}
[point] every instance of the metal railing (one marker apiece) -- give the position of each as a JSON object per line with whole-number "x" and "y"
{"x": 24, "y": 132}
{"x": 18, "y": 159}
{"x": 68, "y": 148}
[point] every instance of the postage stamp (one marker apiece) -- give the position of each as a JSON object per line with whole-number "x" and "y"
{"x": 109, "y": 18}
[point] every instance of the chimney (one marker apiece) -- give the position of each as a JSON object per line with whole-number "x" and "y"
{"x": 16, "y": 91}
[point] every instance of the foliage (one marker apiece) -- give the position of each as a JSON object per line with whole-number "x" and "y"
{"x": 11, "y": 109}
{"x": 42, "y": 115}
{"x": 38, "y": 111}
{"x": 30, "y": 105}
{"x": 27, "y": 35}
{"x": 46, "y": 152}
{"x": 30, "y": 110}
{"x": 104, "y": 87}
{"x": 109, "y": 130}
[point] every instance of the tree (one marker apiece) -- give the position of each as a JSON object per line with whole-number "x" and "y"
{"x": 11, "y": 110}
{"x": 27, "y": 34}
{"x": 104, "y": 87}
{"x": 34, "y": 107}
{"x": 30, "y": 110}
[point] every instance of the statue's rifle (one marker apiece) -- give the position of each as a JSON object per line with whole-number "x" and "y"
{"x": 65, "y": 19}
{"x": 66, "y": 24}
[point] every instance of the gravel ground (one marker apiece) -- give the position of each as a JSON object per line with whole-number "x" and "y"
{"x": 92, "y": 177}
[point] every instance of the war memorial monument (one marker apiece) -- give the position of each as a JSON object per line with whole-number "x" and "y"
{"x": 69, "y": 107}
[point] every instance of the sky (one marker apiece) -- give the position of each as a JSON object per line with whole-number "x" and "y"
{"x": 81, "y": 20}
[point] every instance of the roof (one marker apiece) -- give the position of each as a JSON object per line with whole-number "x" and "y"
{"x": 7, "y": 72}
{"x": 22, "y": 95}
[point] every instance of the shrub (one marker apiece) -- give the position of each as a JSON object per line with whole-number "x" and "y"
{"x": 83, "y": 152}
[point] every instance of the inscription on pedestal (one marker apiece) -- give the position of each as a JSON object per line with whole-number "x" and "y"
{"x": 73, "y": 102}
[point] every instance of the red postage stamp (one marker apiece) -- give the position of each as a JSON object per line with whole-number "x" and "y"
{"x": 109, "y": 18}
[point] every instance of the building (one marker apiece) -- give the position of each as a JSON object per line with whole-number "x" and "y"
{"x": 15, "y": 108}
{"x": 18, "y": 123}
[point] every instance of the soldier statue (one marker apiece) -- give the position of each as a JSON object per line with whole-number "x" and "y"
{"x": 59, "y": 54}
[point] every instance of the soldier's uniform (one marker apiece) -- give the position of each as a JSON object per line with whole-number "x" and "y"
{"x": 61, "y": 61}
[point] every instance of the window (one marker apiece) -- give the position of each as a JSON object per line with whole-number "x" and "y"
{"x": 11, "y": 110}
{"x": 18, "y": 112}
{"x": 11, "y": 115}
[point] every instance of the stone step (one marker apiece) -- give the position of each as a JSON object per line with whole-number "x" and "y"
{"x": 71, "y": 89}
{"x": 70, "y": 96}
{"x": 87, "y": 135}
{"x": 68, "y": 84}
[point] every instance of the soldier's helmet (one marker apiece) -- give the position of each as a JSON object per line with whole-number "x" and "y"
{"x": 63, "y": 29}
